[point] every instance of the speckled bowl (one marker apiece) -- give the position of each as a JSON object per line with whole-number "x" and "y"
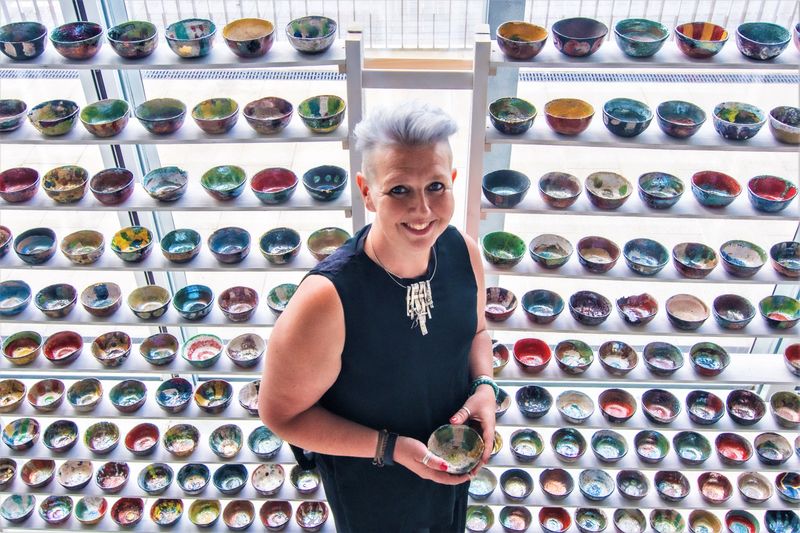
{"x": 589, "y": 308}
{"x": 515, "y": 518}
{"x": 22, "y": 348}
{"x": 568, "y": 116}
{"x": 193, "y": 302}
{"x": 323, "y": 113}
{"x": 128, "y": 395}
{"x": 637, "y": 309}
{"x": 651, "y": 446}
{"x": 37, "y": 473}
{"x": 274, "y": 186}
{"x": 780, "y": 312}
{"x": 193, "y": 478}
{"x": 132, "y": 244}
{"x": 679, "y": 119}
{"x": 127, "y": 512}
{"x": 323, "y": 242}
{"x": 155, "y": 478}
{"x": 46, "y": 395}
{"x": 559, "y": 189}
{"x": 607, "y": 190}
{"x": 213, "y": 396}
{"x": 246, "y": 350}
{"x": 762, "y": 40}
{"x": 745, "y": 407}
{"x": 550, "y": 251}
{"x": 459, "y": 446}
{"x": 134, "y": 39}
{"x": 311, "y": 34}
{"x": 480, "y": 518}
{"x": 279, "y": 296}
{"x": 785, "y": 408}
{"x": 249, "y": 37}
{"x": 574, "y": 406}
{"x": 686, "y": 312}
{"x": 166, "y": 184}
{"x": 608, "y": 446}
{"x": 568, "y": 444}
{"x": 57, "y": 300}
{"x": 754, "y": 487}
{"x": 174, "y": 395}
{"x": 181, "y": 245}
{"x": 531, "y": 355}
{"x": 161, "y": 116}
{"x": 12, "y": 114}
{"x": 18, "y": 184}
{"x": 77, "y": 40}
{"x": 268, "y": 115}
{"x": 23, "y": 40}
{"x": 542, "y": 306}
{"x": 578, "y": 36}
{"x": 85, "y": 395}
{"x": 526, "y": 444}
{"x": 280, "y": 245}
{"x": 112, "y": 477}
{"x": 640, "y": 38}
{"x": 785, "y": 258}
{"x": 112, "y": 349}
{"x": 166, "y": 512}
{"x": 616, "y": 405}
{"x": 502, "y": 249}
{"x": 12, "y": 393}
{"x": 63, "y": 347}
{"x": 694, "y": 260}
{"x": 229, "y": 245}
{"x": 732, "y": 311}
{"x": 556, "y": 483}
{"x": 626, "y": 117}
{"x": 784, "y": 123}
{"x": 238, "y": 303}
{"x": 75, "y": 474}
{"x": 35, "y": 246}
{"x": 500, "y": 304}
{"x": 325, "y": 183}
{"x": 54, "y": 117}
{"x": 105, "y": 118}
{"x": 671, "y": 485}
{"x": 659, "y": 190}
{"x": 216, "y": 116}
{"x": 101, "y": 438}
{"x": 590, "y": 520}
{"x": 533, "y": 401}
{"x": 15, "y": 295}
{"x": 264, "y": 443}
{"x": 191, "y": 38}
{"x": 83, "y": 247}
{"x": 700, "y": 40}
{"x": 224, "y": 182}
{"x": 573, "y": 356}
{"x": 226, "y": 441}
{"x": 181, "y": 440}
{"x": 738, "y": 121}
{"x": 505, "y": 187}
{"x": 202, "y": 350}
{"x": 511, "y": 115}
{"x": 142, "y": 439}
{"x": 520, "y": 40}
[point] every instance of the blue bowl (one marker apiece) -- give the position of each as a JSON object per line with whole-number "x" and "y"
{"x": 625, "y": 117}
{"x": 193, "y": 478}
{"x": 181, "y": 245}
{"x": 57, "y": 300}
{"x": 174, "y": 395}
{"x": 280, "y": 245}
{"x": 679, "y": 119}
{"x": 715, "y": 189}
{"x": 23, "y": 40}
{"x": 640, "y": 37}
{"x": 193, "y": 302}
{"x": 659, "y": 190}
{"x": 770, "y": 193}
{"x": 732, "y": 311}
{"x": 15, "y": 295}
{"x": 738, "y": 121}
{"x": 578, "y": 36}
{"x": 741, "y": 258}
{"x": 534, "y": 401}
{"x": 645, "y": 256}
{"x": 155, "y": 478}
{"x": 191, "y": 38}
{"x": 542, "y": 306}
{"x": 505, "y": 188}
{"x": 230, "y": 478}
{"x": 36, "y": 246}
{"x": 229, "y": 245}
{"x": 325, "y": 183}
{"x": 511, "y": 115}
{"x": 166, "y": 184}
{"x": 781, "y": 521}
{"x": 785, "y": 258}
{"x": 762, "y": 40}
{"x": 12, "y": 114}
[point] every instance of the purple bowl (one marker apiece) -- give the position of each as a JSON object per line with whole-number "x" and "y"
{"x": 18, "y": 184}
{"x": 578, "y": 36}
{"x": 112, "y": 186}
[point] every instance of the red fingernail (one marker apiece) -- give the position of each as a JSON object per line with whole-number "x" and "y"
{"x": 443, "y": 467}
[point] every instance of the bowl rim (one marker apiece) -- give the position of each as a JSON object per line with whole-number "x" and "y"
{"x": 171, "y": 28}
{"x": 239, "y": 21}
{"x": 587, "y": 108}
{"x": 693, "y": 108}
{"x": 88, "y": 24}
{"x": 680, "y": 27}
{"x": 596, "y": 23}
{"x": 523, "y": 23}
{"x": 30, "y": 23}
{"x": 173, "y": 101}
{"x": 651, "y": 23}
{"x": 226, "y": 117}
{"x": 297, "y": 20}
{"x": 116, "y": 28}
{"x": 276, "y": 99}
{"x": 645, "y": 107}
{"x": 753, "y": 23}
{"x": 93, "y": 105}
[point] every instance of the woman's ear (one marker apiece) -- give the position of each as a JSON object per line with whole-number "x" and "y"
{"x": 454, "y": 175}
{"x": 363, "y": 186}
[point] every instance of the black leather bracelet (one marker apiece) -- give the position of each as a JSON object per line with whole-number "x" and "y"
{"x": 388, "y": 456}
{"x": 380, "y": 448}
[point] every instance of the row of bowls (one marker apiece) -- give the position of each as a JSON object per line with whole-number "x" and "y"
{"x": 506, "y": 188}
{"x": 188, "y": 38}
{"x": 133, "y": 244}
{"x": 637, "y": 37}
{"x": 113, "y": 186}
{"x": 626, "y": 117}
{"x": 163, "y": 116}
{"x": 165, "y": 512}
{"x": 518, "y": 518}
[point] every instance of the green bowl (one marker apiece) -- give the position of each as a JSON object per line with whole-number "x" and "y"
{"x": 502, "y": 248}
{"x": 106, "y": 118}
{"x": 325, "y": 241}
{"x": 224, "y": 182}
{"x": 461, "y": 447}
{"x": 780, "y": 312}
{"x": 278, "y": 297}
{"x": 322, "y": 114}
{"x": 55, "y": 117}
{"x": 216, "y": 115}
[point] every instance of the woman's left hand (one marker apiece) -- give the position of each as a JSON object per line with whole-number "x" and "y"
{"x": 481, "y": 406}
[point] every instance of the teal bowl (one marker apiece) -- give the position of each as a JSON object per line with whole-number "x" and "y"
{"x": 229, "y": 245}
{"x": 161, "y": 116}
{"x": 54, "y": 117}
{"x": 502, "y": 249}
{"x": 322, "y": 114}
{"x": 15, "y": 295}
{"x": 595, "y": 484}
{"x": 134, "y": 39}
{"x": 691, "y": 447}
{"x": 174, "y": 395}
{"x": 155, "y": 478}
{"x": 21, "y": 434}
{"x": 550, "y": 251}
{"x": 511, "y": 115}
{"x": 762, "y": 40}
{"x": 526, "y": 444}
{"x": 224, "y": 182}
{"x": 591, "y": 520}
{"x": 264, "y": 443}
{"x": 12, "y": 114}
{"x": 193, "y": 302}
{"x": 36, "y": 245}
{"x": 90, "y": 510}
{"x": 640, "y": 37}
{"x": 23, "y": 40}
{"x": 181, "y": 245}
{"x": 542, "y": 306}
{"x": 128, "y": 396}
{"x": 608, "y": 446}
{"x": 16, "y": 508}
{"x": 505, "y": 188}
{"x": 279, "y": 245}
{"x": 226, "y": 441}
{"x": 325, "y": 183}
{"x": 193, "y": 478}
{"x": 216, "y": 115}
{"x": 780, "y": 312}
{"x": 679, "y": 119}
{"x": 568, "y": 444}
{"x": 279, "y": 296}
{"x": 625, "y": 117}
{"x": 230, "y": 479}
{"x": 77, "y": 40}
{"x": 311, "y": 34}
{"x": 166, "y": 184}
{"x": 191, "y": 38}
{"x": 105, "y": 118}
{"x": 659, "y": 190}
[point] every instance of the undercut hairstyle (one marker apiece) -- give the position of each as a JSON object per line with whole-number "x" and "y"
{"x": 411, "y": 124}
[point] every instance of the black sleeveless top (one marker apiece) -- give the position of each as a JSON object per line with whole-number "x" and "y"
{"x": 394, "y": 378}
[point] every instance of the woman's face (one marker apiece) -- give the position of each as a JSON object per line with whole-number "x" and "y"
{"x": 411, "y": 193}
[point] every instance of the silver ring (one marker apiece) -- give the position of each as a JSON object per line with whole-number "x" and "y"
{"x": 469, "y": 413}
{"x": 427, "y": 458}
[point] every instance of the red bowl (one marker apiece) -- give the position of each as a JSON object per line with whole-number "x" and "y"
{"x": 792, "y": 358}
{"x": 274, "y": 185}
{"x": 63, "y": 347}
{"x": 733, "y": 449}
{"x": 142, "y": 439}
{"x": 532, "y": 355}
{"x": 18, "y": 184}
{"x": 568, "y": 116}
{"x": 617, "y": 405}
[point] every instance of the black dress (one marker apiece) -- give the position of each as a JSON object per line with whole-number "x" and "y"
{"x": 394, "y": 378}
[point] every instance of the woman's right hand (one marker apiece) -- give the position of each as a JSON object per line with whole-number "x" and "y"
{"x": 410, "y": 453}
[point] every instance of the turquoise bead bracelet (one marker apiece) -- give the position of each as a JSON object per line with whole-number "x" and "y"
{"x": 484, "y": 380}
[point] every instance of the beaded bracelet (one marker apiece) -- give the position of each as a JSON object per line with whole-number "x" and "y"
{"x": 484, "y": 380}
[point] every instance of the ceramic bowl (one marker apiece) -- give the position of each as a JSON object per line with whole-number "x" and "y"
{"x": 159, "y": 349}
{"x": 500, "y": 304}
{"x": 191, "y": 38}
{"x": 12, "y": 393}
{"x": 229, "y": 245}
{"x": 56, "y": 510}
{"x": 502, "y": 403}
{"x": 617, "y": 358}
{"x": 574, "y": 406}
{"x": 780, "y": 312}
{"x": 460, "y": 447}
{"x": 21, "y": 434}
{"x": 193, "y": 302}
{"x": 552, "y": 520}
{"x": 694, "y": 260}
{"x": 770, "y": 193}
{"x": 83, "y": 247}
{"x": 274, "y": 185}
{"x": 704, "y": 407}
{"x": 573, "y": 356}
{"x": 112, "y": 477}
{"x": 784, "y": 520}
{"x": 35, "y": 246}
{"x": 238, "y": 303}
{"x": 23, "y": 40}
{"x": 660, "y": 406}
{"x": 275, "y": 514}
{"x": 304, "y": 481}
{"x": 589, "y": 308}
{"x": 686, "y": 312}
{"x": 323, "y": 242}
{"x": 105, "y": 118}
{"x": 480, "y": 518}
{"x": 578, "y": 36}
{"x": 127, "y": 512}
{"x": 556, "y": 483}
{"x": 239, "y": 514}
{"x": 134, "y": 39}
{"x": 149, "y": 302}
{"x": 16, "y": 508}
{"x": 166, "y": 512}
{"x": 112, "y": 186}
{"x": 733, "y": 449}
{"x": 671, "y": 485}
{"x": 700, "y": 40}
{"x": 181, "y": 440}
{"x": 595, "y": 484}
{"x": 322, "y": 114}
{"x": 708, "y": 359}
{"x": 625, "y": 117}
{"x": 161, "y": 116}
{"x": 762, "y": 40}
{"x": 264, "y": 443}
{"x": 542, "y": 306}
{"x": 791, "y": 356}
{"x": 745, "y": 407}
{"x": 249, "y": 37}
{"x": 629, "y": 521}
{"x": 213, "y": 396}
{"x": 559, "y": 189}
{"x": 174, "y": 395}
{"x": 181, "y": 245}
{"x": 640, "y": 37}
{"x": 597, "y": 254}
{"x": 37, "y": 473}
{"x": 101, "y": 299}
{"x": 531, "y": 355}
{"x": 669, "y": 521}
{"x": 637, "y": 309}
{"x": 128, "y": 395}
{"x": 616, "y": 405}
{"x": 526, "y": 444}
{"x": 268, "y": 115}
{"x": 226, "y": 441}
{"x": 202, "y": 350}
{"x": 54, "y": 117}
{"x": 738, "y": 121}
{"x": 607, "y": 190}
{"x": 500, "y": 356}
{"x": 568, "y": 444}
{"x": 311, "y": 34}
{"x": 46, "y": 395}
{"x": 502, "y": 249}
{"x": 75, "y": 474}
{"x": 516, "y": 484}
{"x": 204, "y": 513}
{"x": 15, "y": 295}
{"x": 550, "y": 251}
{"x": 22, "y": 348}
{"x": 216, "y": 116}
{"x": 608, "y": 446}
{"x": 18, "y": 184}
{"x": 590, "y": 520}
{"x": 742, "y": 259}
{"x": 132, "y": 244}
{"x": 325, "y": 183}
{"x": 61, "y": 436}
{"x": 785, "y": 408}
{"x": 12, "y": 114}
{"x": 505, "y": 188}
{"x": 111, "y": 349}
{"x": 311, "y": 516}
{"x": 659, "y": 190}
{"x": 785, "y": 258}
{"x": 84, "y": 395}
{"x": 511, "y": 115}
{"x": 533, "y": 401}
{"x": 568, "y": 116}
{"x": 520, "y": 40}
{"x": 56, "y": 301}
{"x": 651, "y": 446}
{"x": 679, "y": 119}
{"x": 754, "y": 487}
{"x": 77, "y": 40}
{"x": 63, "y": 347}
{"x": 715, "y": 189}
{"x": 784, "y": 123}
{"x": 193, "y": 478}
{"x": 246, "y": 350}
{"x": 142, "y": 439}
{"x": 155, "y": 478}
{"x": 166, "y": 184}
{"x": 5, "y": 240}
{"x": 732, "y": 311}
{"x": 280, "y": 245}
{"x": 224, "y": 182}
{"x": 787, "y": 485}
{"x": 101, "y": 438}
{"x": 279, "y": 296}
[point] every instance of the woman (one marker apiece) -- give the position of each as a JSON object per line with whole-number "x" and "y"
{"x": 385, "y": 340}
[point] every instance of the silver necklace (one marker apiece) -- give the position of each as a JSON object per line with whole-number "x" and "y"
{"x": 419, "y": 297}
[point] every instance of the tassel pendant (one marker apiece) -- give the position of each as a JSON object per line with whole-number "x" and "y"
{"x": 419, "y": 302}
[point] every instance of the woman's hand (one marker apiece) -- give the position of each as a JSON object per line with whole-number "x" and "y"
{"x": 481, "y": 406}
{"x": 415, "y": 456}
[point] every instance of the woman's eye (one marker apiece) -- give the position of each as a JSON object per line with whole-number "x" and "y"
{"x": 398, "y": 190}
{"x": 436, "y": 186}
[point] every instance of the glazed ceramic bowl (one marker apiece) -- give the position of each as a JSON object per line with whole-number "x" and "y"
{"x": 203, "y": 350}
{"x": 559, "y": 189}
{"x": 246, "y": 350}
{"x": 617, "y": 357}
{"x": 112, "y": 477}
{"x": 616, "y": 405}
{"x": 745, "y": 407}
{"x": 597, "y": 254}
{"x": 626, "y": 117}
{"x": 500, "y": 304}
{"x": 66, "y": 184}
{"x": 264, "y": 443}
{"x": 105, "y": 118}
{"x": 651, "y": 446}
{"x": 784, "y": 123}
{"x": 608, "y": 446}
{"x": 526, "y": 444}
{"x": 54, "y": 117}
{"x": 770, "y": 193}
{"x": 127, "y": 512}
{"x": 83, "y": 247}
{"x": 166, "y": 184}
{"x": 505, "y": 188}
{"x": 640, "y": 37}
{"x": 520, "y": 40}
{"x": 785, "y": 408}
{"x": 37, "y": 473}
{"x": 268, "y": 115}
{"x": 738, "y": 121}
{"x": 279, "y": 245}
{"x": 325, "y": 183}
{"x": 742, "y": 259}
{"x": 275, "y": 514}
{"x": 181, "y": 245}
{"x": 791, "y": 356}
{"x": 754, "y": 487}
{"x": 101, "y": 299}
{"x": 787, "y": 485}
{"x": 607, "y": 190}
{"x": 75, "y": 474}
{"x": 590, "y": 520}
{"x": 637, "y": 309}
{"x": 533, "y": 401}
{"x": 56, "y": 510}
{"x": 573, "y": 356}
{"x": 268, "y": 479}
{"x": 226, "y": 441}
{"x": 57, "y": 300}
{"x": 86, "y": 394}
{"x": 772, "y": 449}
{"x": 166, "y": 512}
{"x": 511, "y": 115}
{"x": 595, "y": 484}
{"x": 708, "y": 359}
{"x": 686, "y": 312}
{"x": 679, "y": 119}
{"x": 502, "y": 249}
{"x": 532, "y": 355}
{"x": 12, "y": 114}
{"x": 311, "y": 516}
{"x": 480, "y": 518}
{"x": 174, "y": 395}
{"x": 578, "y": 36}
{"x": 101, "y": 438}
{"x": 15, "y": 295}
{"x": 224, "y": 182}
{"x": 90, "y": 510}
{"x": 780, "y": 312}
{"x": 23, "y": 40}
{"x": 238, "y": 303}
{"x": 550, "y": 251}
{"x": 159, "y": 349}
{"x": 542, "y": 306}
{"x": 77, "y": 40}
{"x": 694, "y": 260}
{"x": 323, "y": 242}
{"x": 323, "y": 113}
{"x": 671, "y": 485}
{"x": 193, "y": 478}
{"x": 304, "y": 481}
{"x": 216, "y": 116}
{"x": 46, "y": 395}
{"x": 16, "y": 508}
{"x": 63, "y": 347}
{"x": 574, "y": 406}
{"x": 516, "y": 484}
{"x": 21, "y": 434}
{"x": 142, "y": 439}
{"x": 274, "y": 185}
{"x": 22, "y": 348}
{"x": 112, "y": 186}
{"x": 700, "y": 40}
{"x": 12, "y": 392}
{"x": 134, "y": 39}
{"x": 279, "y": 296}
{"x": 715, "y": 189}
{"x": 18, "y": 184}
{"x": 111, "y": 349}
{"x": 629, "y": 520}
{"x": 500, "y": 356}
{"x": 460, "y": 447}
{"x": 155, "y": 478}
{"x": 732, "y": 311}
{"x": 568, "y": 444}
{"x": 589, "y": 308}
{"x": 213, "y": 396}
{"x": 128, "y": 395}
{"x": 659, "y": 190}
{"x": 777, "y": 521}
{"x": 5, "y": 240}
{"x": 35, "y": 246}
{"x": 660, "y": 406}
{"x": 556, "y": 483}
{"x": 181, "y": 440}
{"x": 785, "y": 258}
{"x": 733, "y": 449}
{"x": 568, "y": 116}
{"x": 704, "y": 407}
{"x": 193, "y": 302}
{"x": 239, "y": 514}
{"x": 161, "y": 116}
{"x": 714, "y": 487}
{"x": 149, "y": 302}
{"x": 191, "y": 38}
{"x": 762, "y": 40}
{"x": 311, "y": 34}
{"x": 249, "y": 37}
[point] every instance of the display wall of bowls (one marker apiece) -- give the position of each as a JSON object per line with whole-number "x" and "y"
{"x": 46, "y": 395}
{"x": 181, "y": 245}
{"x": 75, "y": 474}
{"x": 161, "y": 116}
{"x": 542, "y": 306}
{"x": 224, "y": 182}
{"x": 149, "y": 302}
{"x": 15, "y": 295}
{"x": 213, "y": 396}
{"x": 105, "y": 118}
{"x": 77, "y": 40}
{"x": 35, "y": 246}
{"x": 659, "y": 190}
{"x": 12, "y": 392}
{"x": 573, "y": 356}
{"x": 102, "y": 437}
{"x": 279, "y": 296}
{"x": 785, "y": 408}
{"x": 556, "y": 483}
{"x": 37, "y": 473}
{"x": 505, "y": 187}
{"x": 640, "y": 37}
{"x": 22, "y": 348}
{"x": 193, "y": 302}
{"x": 578, "y": 36}
{"x": 112, "y": 349}
{"x": 459, "y": 446}
{"x": 590, "y": 520}
{"x": 533, "y": 401}
{"x": 132, "y": 244}
{"x": 500, "y": 304}
{"x": 616, "y": 405}
{"x": 568, "y": 116}
{"x": 626, "y": 117}
{"x": 54, "y": 117}
{"x": 637, "y": 309}
{"x": 325, "y": 183}
{"x": 784, "y": 123}
{"x": 112, "y": 477}
{"x": 323, "y": 113}
{"x": 5, "y": 240}
{"x": 249, "y": 37}
{"x": 280, "y": 245}
{"x": 742, "y": 259}
{"x": 21, "y": 434}
{"x": 480, "y": 518}
{"x": 575, "y": 407}
{"x": 559, "y": 189}
{"x": 785, "y": 258}
{"x": 568, "y": 444}
{"x": 595, "y": 484}
{"x": 134, "y": 39}
{"x": 159, "y": 349}
{"x": 264, "y": 443}
{"x": 128, "y": 395}
{"x": 738, "y": 121}
{"x": 181, "y": 439}
{"x": 704, "y": 407}
{"x": 700, "y": 40}
{"x": 12, "y": 114}
{"x": 762, "y": 40}
{"x": 191, "y": 38}
{"x": 19, "y": 184}
{"x": 174, "y": 395}
{"x": 770, "y": 193}
{"x": 193, "y": 478}
{"x": 226, "y": 441}
{"x": 516, "y": 484}
{"x": 238, "y": 303}
{"x": 166, "y": 512}
{"x": 16, "y": 508}
{"x": 23, "y": 40}
{"x": 550, "y": 251}
{"x": 686, "y": 312}
{"x": 660, "y": 406}
{"x": 511, "y": 115}
{"x": 745, "y": 407}
{"x": 323, "y": 242}
{"x": 268, "y": 115}
{"x": 166, "y": 184}
{"x": 526, "y": 444}
{"x": 142, "y": 439}
{"x": 101, "y": 299}
{"x": 589, "y": 308}
{"x": 246, "y": 350}
{"x": 787, "y": 485}
{"x": 733, "y": 449}
{"x": 651, "y": 446}
{"x": 597, "y": 254}
{"x": 127, "y": 512}
{"x": 216, "y": 115}
{"x": 671, "y": 485}
{"x": 57, "y": 300}
{"x": 84, "y": 395}
{"x": 679, "y": 119}
{"x": 608, "y": 446}
{"x": 274, "y": 185}
{"x": 83, "y": 247}
{"x": 780, "y": 312}
{"x": 56, "y": 510}
{"x": 155, "y": 478}
{"x": 311, "y": 34}
{"x": 520, "y": 40}
{"x": 694, "y": 260}
{"x": 502, "y": 249}
{"x": 204, "y": 513}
